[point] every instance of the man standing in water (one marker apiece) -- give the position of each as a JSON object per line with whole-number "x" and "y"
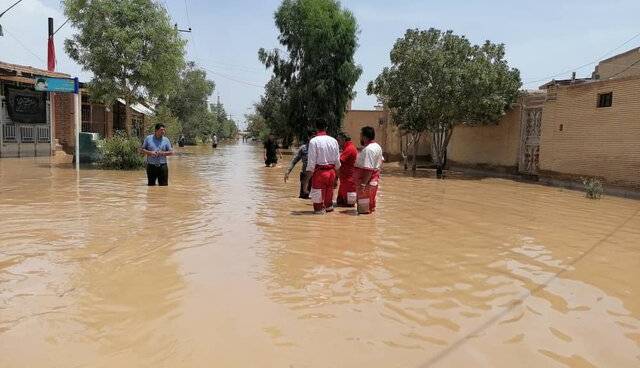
{"x": 214, "y": 141}
{"x": 347, "y": 191}
{"x": 156, "y": 147}
{"x": 367, "y": 173}
{"x": 323, "y": 168}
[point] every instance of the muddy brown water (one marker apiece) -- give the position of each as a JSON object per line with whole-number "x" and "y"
{"x": 226, "y": 268}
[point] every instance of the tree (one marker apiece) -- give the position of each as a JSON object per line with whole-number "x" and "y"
{"x": 273, "y": 107}
{"x": 189, "y": 103}
{"x": 221, "y": 123}
{"x": 256, "y": 126}
{"x": 172, "y": 124}
{"x": 318, "y": 72}
{"x": 130, "y": 47}
{"x": 438, "y": 80}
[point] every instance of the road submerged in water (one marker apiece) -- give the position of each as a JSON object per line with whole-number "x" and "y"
{"x": 227, "y": 268}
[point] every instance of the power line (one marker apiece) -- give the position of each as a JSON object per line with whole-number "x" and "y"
{"x": 625, "y": 69}
{"x": 237, "y": 67}
{"x": 63, "y": 24}
{"x": 252, "y": 84}
{"x": 24, "y": 46}
{"x": 584, "y": 65}
{"x": 193, "y": 37}
{"x": 11, "y": 7}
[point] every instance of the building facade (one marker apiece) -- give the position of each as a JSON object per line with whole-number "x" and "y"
{"x": 26, "y": 121}
{"x": 53, "y": 128}
{"x": 570, "y": 129}
{"x": 593, "y": 130}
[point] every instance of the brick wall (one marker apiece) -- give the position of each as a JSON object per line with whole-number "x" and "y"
{"x": 599, "y": 142}
{"x": 620, "y": 66}
{"x": 64, "y": 121}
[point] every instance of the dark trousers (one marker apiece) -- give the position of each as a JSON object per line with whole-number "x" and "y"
{"x": 159, "y": 174}
{"x": 304, "y": 195}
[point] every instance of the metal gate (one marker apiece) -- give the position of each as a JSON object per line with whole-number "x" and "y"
{"x": 23, "y": 140}
{"x": 530, "y": 141}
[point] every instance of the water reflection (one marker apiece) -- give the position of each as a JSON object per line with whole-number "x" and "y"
{"x": 223, "y": 266}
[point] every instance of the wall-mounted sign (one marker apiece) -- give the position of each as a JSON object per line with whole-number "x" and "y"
{"x": 26, "y": 105}
{"x": 64, "y": 85}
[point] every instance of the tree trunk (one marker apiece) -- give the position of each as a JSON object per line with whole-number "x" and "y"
{"x": 414, "y": 160}
{"x": 439, "y": 142}
{"x": 404, "y": 149}
{"x": 127, "y": 122}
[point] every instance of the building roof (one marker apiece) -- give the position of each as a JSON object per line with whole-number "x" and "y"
{"x": 566, "y": 82}
{"x": 7, "y": 69}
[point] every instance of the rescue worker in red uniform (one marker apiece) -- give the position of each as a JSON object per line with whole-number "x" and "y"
{"x": 323, "y": 167}
{"x": 367, "y": 172}
{"x": 347, "y": 192}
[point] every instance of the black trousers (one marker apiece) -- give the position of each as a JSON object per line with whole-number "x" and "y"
{"x": 159, "y": 174}
{"x": 302, "y": 191}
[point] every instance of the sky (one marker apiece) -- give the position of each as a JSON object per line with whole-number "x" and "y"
{"x": 543, "y": 38}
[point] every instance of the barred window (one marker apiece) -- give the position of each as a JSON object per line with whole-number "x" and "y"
{"x": 605, "y": 99}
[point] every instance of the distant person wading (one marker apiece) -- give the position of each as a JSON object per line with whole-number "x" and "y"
{"x": 270, "y": 151}
{"x": 156, "y": 147}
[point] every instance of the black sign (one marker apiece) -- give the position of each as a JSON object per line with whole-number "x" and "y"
{"x": 26, "y": 106}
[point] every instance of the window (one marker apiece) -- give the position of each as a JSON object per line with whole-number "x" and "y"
{"x": 605, "y": 99}
{"x": 86, "y": 113}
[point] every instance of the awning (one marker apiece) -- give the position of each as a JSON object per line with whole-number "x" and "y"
{"x": 138, "y": 107}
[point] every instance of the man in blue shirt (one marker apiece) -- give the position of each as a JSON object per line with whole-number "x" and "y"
{"x": 157, "y": 147}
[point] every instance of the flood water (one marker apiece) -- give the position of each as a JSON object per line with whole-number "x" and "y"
{"x": 226, "y": 268}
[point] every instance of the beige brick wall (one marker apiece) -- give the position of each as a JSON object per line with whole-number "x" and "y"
{"x": 599, "y": 142}
{"x": 491, "y": 145}
{"x": 620, "y": 66}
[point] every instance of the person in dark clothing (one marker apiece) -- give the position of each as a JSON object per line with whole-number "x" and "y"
{"x": 301, "y": 155}
{"x": 270, "y": 151}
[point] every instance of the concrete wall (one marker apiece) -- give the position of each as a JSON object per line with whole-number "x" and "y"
{"x": 620, "y": 66}
{"x": 579, "y": 139}
{"x": 495, "y": 146}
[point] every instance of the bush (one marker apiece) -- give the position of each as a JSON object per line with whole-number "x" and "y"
{"x": 593, "y": 187}
{"x": 120, "y": 153}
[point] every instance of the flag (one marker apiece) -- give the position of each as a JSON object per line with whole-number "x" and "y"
{"x": 51, "y": 55}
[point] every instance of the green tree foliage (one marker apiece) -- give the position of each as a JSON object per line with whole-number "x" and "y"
{"x": 189, "y": 103}
{"x": 273, "y": 107}
{"x": 130, "y": 47}
{"x": 165, "y": 116}
{"x": 438, "y": 80}
{"x": 221, "y": 124}
{"x": 256, "y": 126}
{"x": 318, "y": 73}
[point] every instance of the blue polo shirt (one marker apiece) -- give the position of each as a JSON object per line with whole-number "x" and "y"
{"x": 151, "y": 143}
